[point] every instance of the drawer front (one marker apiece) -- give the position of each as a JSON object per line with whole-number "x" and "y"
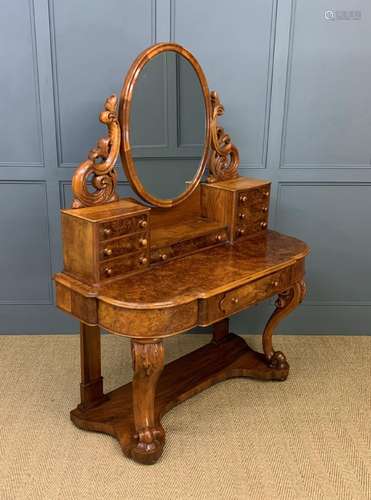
{"x": 122, "y": 246}
{"x": 189, "y": 246}
{"x": 254, "y": 198}
{"x": 252, "y": 211}
{"x": 124, "y": 265}
{"x": 239, "y": 298}
{"x": 250, "y": 227}
{"x": 249, "y": 214}
{"x": 119, "y": 227}
{"x": 226, "y": 304}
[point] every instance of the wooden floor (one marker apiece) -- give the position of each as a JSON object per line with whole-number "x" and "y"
{"x": 305, "y": 438}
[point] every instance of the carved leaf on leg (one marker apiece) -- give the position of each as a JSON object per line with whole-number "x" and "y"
{"x": 286, "y": 302}
{"x": 148, "y": 362}
{"x": 99, "y": 168}
{"x": 224, "y": 157}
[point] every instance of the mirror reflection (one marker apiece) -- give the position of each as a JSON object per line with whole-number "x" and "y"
{"x": 167, "y": 126}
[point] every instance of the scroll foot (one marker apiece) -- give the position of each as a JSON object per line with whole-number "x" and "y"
{"x": 150, "y": 442}
{"x": 278, "y": 360}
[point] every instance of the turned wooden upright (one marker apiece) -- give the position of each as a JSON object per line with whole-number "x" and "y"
{"x": 149, "y": 271}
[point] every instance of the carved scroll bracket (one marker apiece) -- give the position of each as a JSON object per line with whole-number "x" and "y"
{"x": 99, "y": 168}
{"x": 148, "y": 362}
{"x": 286, "y": 302}
{"x": 224, "y": 158}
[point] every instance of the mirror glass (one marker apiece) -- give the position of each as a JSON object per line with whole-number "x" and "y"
{"x": 167, "y": 125}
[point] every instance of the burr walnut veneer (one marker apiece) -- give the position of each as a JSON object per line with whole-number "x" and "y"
{"x": 149, "y": 271}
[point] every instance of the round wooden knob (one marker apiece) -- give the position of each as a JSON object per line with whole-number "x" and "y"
{"x": 107, "y": 252}
{"x": 163, "y": 256}
{"x": 107, "y": 231}
{"x": 243, "y": 198}
{"x": 265, "y": 209}
{"x": 143, "y": 223}
{"x": 263, "y": 225}
{"x": 275, "y": 284}
{"x": 266, "y": 194}
{"x": 235, "y": 300}
{"x": 143, "y": 242}
{"x": 143, "y": 260}
{"x": 240, "y": 231}
{"x": 241, "y": 215}
{"x": 108, "y": 271}
{"x": 219, "y": 237}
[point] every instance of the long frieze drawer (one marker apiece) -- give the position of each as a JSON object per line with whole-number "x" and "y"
{"x": 121, "y": 246}
{"x": 188, "y": 246}
{"x": 254, "y": 197}
{"x": 112, "y": 229}
{"x": 230, "y": 302}
{"x": 254, "y": 292}
{"x": 124, "y": 265}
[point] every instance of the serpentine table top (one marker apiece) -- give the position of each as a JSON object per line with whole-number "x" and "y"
{"x": 174, "y": 293}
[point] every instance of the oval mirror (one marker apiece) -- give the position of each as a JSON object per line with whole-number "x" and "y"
{"x": 164, "y": 116}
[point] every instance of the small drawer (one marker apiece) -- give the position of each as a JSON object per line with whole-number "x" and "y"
{"x": 249, "y": 214}
{"x": 252, "y": 211}
{"x": 119, "y": 227}
{"x": 161, "y": 254}
{"x": 116, "y": 267}
{"x": 250, "y": 227}
{"x": 254, "y": 197}
{"x": 121, "y": 246}
{"x": 188, "y": 246}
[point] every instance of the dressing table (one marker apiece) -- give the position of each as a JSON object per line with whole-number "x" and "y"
{"x": 191, "y": 249}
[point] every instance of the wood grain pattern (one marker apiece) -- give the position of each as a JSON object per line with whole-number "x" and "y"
{"x": 183, "y": 231}
{"x": 187, "y": 376}
{"x": 121, "y": 246}
{"x": 123, "y": 265}
{"x": 189, "y": 246}
{"x": 77, "y": 234}
{"x": 91, "y": 387}
{"x": 150, "y": 322}
{"x": 186, "y": 237}
{"x": 187, "y": 292}
{"x": 74, "y": 301}
{"x": 189, "y": 209}
{"x": 241, "y": 203}
{"x": 219, "y": 205}
{"x": 220, "y": 330}
{"x": 252, "y": 211}
{"x": 94, "y": 231}
{"x": 110, "y": 212}
{"x": 205, "y": 274}
{"x": 148, "y": 273}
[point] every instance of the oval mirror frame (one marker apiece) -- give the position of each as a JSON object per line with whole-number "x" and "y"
{"x": 124, "y": 119}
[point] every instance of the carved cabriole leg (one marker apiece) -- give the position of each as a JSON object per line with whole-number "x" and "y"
{"x": 220, "y": 330}
{"x": 148, "y": 363}
{"x": 91, "y": 387}
{"x": 286, "y": 302}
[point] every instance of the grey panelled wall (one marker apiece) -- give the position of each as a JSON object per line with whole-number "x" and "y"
{"x": 294, "y": 79}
